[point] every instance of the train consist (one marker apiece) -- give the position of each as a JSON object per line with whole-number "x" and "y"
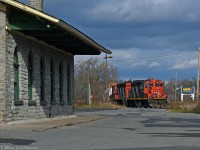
{"x": 140, "y": 93}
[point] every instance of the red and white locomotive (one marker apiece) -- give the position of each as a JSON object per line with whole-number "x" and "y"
{"x": 140, "y": 93}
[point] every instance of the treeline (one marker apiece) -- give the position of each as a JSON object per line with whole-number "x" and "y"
{"x": 98, "y": 74}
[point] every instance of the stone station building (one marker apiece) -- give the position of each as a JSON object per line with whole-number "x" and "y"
{"x": 37, "y": 62}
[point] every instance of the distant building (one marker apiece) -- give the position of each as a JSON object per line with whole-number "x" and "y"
{"x": 37, "y": 61}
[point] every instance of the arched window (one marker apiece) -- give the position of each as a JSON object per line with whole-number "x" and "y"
{"x": 61, "y": 83}
{"x": 52, "y": 81}
{"x": 16, "y": 76}
{"x": 69, "y": 84}
{"x": 42, "y": 78}
{"x": 30, "y": 80}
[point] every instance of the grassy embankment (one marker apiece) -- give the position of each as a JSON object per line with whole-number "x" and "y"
{"x": 184, "y": 107}
{"x": 109, "y": 105}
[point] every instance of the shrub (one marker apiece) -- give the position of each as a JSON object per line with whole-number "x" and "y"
{"x": 184, "y": 107}
{"x": 81, "y": 104}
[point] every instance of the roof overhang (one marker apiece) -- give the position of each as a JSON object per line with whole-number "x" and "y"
{"x": 50, "y": 30}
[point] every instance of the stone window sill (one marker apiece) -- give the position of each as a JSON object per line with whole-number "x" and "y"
{"x": 43, "y": 103}
{"x": 69, "y": 103}
{"x": 53, "y": 102}
{"x": 18, "y": 102}
{"x": 32, "y": 103}
{"x": 62, "y": 103}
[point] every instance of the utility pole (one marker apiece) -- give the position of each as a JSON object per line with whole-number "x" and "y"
{"x": 175, "y": 86}
{"x": 106, "y": 77}
{"x": 197, "y": 95}
{"x": 89, "y": 102}
{"x": 106, "y": 58}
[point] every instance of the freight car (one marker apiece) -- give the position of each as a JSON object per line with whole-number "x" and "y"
{"x": 140, "y": 93}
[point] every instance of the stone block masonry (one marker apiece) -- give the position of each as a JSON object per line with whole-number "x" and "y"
{"x": 24, "y": 92}
{"x": 3, "y": 36}
{"x": 24, "y": 46}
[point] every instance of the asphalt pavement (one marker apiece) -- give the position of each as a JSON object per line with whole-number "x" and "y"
{"x": 47, "y": 123}
{"x": 120, "y": 129}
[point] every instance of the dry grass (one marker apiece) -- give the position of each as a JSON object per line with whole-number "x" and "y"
{"x": 184, "y": 107}
{"x": 110, "y": 105}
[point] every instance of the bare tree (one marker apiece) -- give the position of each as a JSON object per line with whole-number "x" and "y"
{"x": 96, "y": 71}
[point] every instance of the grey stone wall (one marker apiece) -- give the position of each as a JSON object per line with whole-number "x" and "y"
{"x": 24, "y": 46}
{"x": 3, "y": 21}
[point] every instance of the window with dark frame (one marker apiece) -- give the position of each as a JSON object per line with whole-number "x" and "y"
{"x": 42, "y": 78}
{"x": 30, "y": 80}
{"x": 68, "y": 84}
{"x": 61, "y": 83}
{"x": 30, "y": 76}
{"x": 52, "y": 78}
{"x": 16, "y": 76}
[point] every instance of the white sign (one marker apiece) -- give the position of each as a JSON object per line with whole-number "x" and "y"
{"x": 187, "y": 91}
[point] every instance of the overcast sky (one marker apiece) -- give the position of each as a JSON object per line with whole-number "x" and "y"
{"x": 148, "y": 38}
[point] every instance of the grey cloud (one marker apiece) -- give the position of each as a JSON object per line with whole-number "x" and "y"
{"x": 146, "y": 10}
{"x": 152, "y": 27}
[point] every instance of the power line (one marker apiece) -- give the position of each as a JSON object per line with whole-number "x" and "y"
{"x": 152, "y": 57}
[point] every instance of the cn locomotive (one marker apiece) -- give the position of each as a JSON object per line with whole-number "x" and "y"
{"x": 140, "y": 93}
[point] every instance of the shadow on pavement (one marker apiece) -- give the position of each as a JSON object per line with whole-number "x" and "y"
{"x": 158, "y": 148}
{"x": 17, "y": 141}
{"x": 171, "y": 122}
{"x": 174, "y": 134}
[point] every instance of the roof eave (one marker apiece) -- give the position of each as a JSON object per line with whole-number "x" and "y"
{"x": 59, "y": 23}
{"x": 82, "y": 36}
